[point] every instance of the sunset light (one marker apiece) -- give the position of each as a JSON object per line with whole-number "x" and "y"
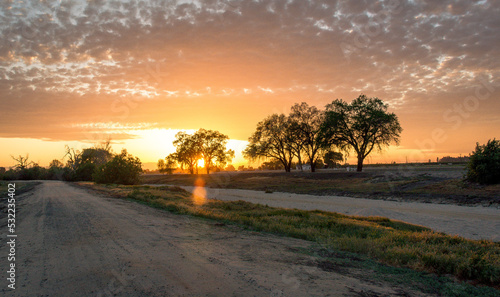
{"x": 66, "y": 84}
{"x": 250, "y": 147}
{"x": 201, "y": 163}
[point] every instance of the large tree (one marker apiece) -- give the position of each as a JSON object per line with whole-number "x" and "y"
{"x": 362, "y": 125}
{"x": 204, "y": 144}
{"x": 213, "y": 148}
{"x": 306, "y": 126}
{"x": 187, "y": 151}
{"x": 272, "y": 139}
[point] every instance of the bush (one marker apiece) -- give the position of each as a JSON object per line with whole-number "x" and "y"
{"x": 11, "y": 174}
{"x": 484, "y": 163}
{"x": 85, "y": 171}
{"x": 122, "y": 169}
{"x": 32, "y": 173}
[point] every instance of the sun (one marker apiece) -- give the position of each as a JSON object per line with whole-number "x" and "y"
{"x": 201, "y": 163}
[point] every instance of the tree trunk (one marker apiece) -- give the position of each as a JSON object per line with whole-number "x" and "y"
{"x": 313, "y": 166}
{"x": 285, "y": 164}
{"x": 288, "y": 165}
{"x": 360, "y": 164}
{"x": 207, "y": 165}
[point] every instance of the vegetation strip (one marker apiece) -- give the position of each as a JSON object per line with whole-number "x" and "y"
{"x": 21, "y": 187}
{"x": 392, "y": 242}
{"x": 428, "y": 184}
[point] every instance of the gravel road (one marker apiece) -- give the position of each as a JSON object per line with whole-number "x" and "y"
{"x": 476, "y": 222}
{"x": 73, "y": 243}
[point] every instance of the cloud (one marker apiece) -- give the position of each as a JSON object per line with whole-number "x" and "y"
{"x": 137, "y": 61}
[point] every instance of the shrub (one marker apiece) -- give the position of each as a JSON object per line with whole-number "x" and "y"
{"x": 122, "y": 169}
{"x": 33, "y": 173}
{"x": 484, "y": 163}
{"x": 11, "y": 174}
{"x": 85, "y": 171}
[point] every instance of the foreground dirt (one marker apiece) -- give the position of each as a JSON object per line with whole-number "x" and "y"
{"x": 72, "y": 243}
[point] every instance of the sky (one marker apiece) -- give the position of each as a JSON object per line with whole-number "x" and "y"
{"x": 76, "y": 72}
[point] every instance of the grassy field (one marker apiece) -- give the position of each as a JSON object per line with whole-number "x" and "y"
{"x": 390, "y": 242}
{"x": 438, "y": 184}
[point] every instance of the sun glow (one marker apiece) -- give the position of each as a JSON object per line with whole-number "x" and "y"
{"x": 201, "y": 163}
{"x": 199, "y": 192}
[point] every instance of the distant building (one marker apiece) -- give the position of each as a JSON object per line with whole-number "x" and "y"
{"x": 305, "y": 167}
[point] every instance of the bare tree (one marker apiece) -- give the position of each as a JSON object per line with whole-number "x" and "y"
{"x": 74, "y": 157}
{"x": 22, "y": 162}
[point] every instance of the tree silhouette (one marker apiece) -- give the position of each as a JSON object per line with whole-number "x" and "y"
{"x": 22, "y": 162}
{"x": 167, "y": 165}
{"x": 361, "y": 126}
{"x": 306, "y": 122}
{"x": 204, "y": 144}
{"x": 212, "y": 145}
{"x": 332, "y": 158}
{"x": 273, "y": 138}
{"x": 187, "y": 152}
{"x": 123, "y": 168}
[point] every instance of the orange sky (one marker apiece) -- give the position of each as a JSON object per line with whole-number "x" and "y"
{"x": 76, "y": 72}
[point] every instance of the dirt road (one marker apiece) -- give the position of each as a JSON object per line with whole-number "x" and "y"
{"x": 476, "y": 222}
{"x": 72, "y": 243}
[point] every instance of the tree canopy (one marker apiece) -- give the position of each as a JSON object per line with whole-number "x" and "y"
{"x": 362, "y": 125}
{"x": 204, "y": 144}
{"x": 167, "y": 165}
{"x": 306, "y": 122}
{"x": 123, "y": 168}
{"x": 212, "y": 146}
{"x": 273, "y": 138}
{"x": 311, "y": 133}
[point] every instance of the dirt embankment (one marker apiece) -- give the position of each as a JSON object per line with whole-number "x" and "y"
{"x": 426, "y": 184}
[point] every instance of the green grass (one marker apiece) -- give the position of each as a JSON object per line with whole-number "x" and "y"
{"x": 391, "y": 242}
{"x": 398, "y": 276}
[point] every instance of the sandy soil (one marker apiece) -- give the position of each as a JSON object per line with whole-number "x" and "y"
{"x": 476, "y": 222}
{"x": 73, "y": 243}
